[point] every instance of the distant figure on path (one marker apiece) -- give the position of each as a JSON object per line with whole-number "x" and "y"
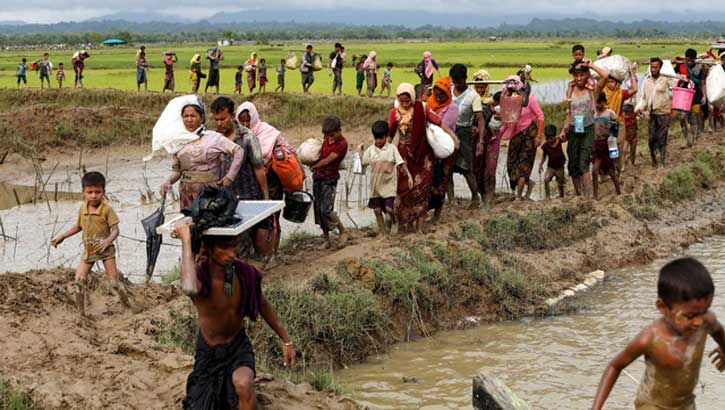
{"x": 251, "y": 68}
{"x": 22, "y": 67}
{"x": 308, "y": 76}
{"x": 262, "y": 75}
{"x": 337, "y": 60}
{"x": 141, "y": 66}
{"x": 79, "y": 65}
{"x": 281, "y": 70}
{"x": 44, "y": 69}
{"x": 214, "y": 56}
{"x": 426, "y": 68}
{"x": 60, "y": 75}
{"x": 196, "y": 74}
{"x": 371, "y": 67}
{"x": 169, "y": 60}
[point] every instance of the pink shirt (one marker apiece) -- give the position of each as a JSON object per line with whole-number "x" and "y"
{"x": 449, "y": 115}
{"x": 528, "y": 114}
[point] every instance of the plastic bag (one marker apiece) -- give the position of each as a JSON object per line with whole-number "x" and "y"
{"x": 291, "y": 62}
{"x": 667, "y": 69}
{"x": 169, "y": 132}
{"x": 357, "y": 166}
{"x": 317, "y": 63}
{"x": 617, "y": 66}
{"x": 310, "y": 151}
{"x": 715, "y": 85}
{"x": 440, "y": 141}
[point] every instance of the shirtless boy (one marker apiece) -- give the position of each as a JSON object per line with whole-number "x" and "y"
{"x": 672, "y": 345}
{"x": 224, "y": 290}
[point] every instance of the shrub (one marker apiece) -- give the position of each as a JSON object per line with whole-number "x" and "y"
{"x": 678, "y": 185}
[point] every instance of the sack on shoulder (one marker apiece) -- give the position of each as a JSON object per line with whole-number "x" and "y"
{"x": 291, "y": 62}
{"x": 317, "y": 63}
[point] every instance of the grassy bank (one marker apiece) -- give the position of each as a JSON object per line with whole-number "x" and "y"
{"x": 34, "y": 121}
{"x": 12, "y": 399}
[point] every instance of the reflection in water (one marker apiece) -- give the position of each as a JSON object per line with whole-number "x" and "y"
{"x": 552, "y": 363}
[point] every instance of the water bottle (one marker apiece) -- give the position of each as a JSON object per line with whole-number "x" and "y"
{"x": 612, "y": 140}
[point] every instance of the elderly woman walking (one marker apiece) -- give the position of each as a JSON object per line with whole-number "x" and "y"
{"x": 371, "y": 67}
{"x": 408, "y": 121}
{"x": 525, "y": 137}
{"x": 197, "y": 163}
{"x": 441, "y": 102}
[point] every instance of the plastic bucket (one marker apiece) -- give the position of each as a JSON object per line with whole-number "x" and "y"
{"x": 682, "y": 98}
{"x": 511, "y": 108}
{"x": 297, "y": 206}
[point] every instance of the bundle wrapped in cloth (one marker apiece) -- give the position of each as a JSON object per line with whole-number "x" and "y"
{"x": 617, "y": 66}
{"x": 169, "y": 132}
{"x": 214, "y": 207}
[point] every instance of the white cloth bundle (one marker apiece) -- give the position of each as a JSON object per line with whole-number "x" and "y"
{"x": 310, "y": 151}
{"x": 440, "y": 141}
{"x": 169, "y": 132}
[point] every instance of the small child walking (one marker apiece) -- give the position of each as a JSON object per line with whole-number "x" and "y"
{"x": 325, "y": 174}
{"x": 604, "y": 119}
{"x": 99, "y": 224}
{"x": 262, "y": 75}
{"x": 238, "y": 80}
{"x": 281, "y": 69}
{"x": 673, "y": 345}
{"x": 360, "y": 73}
{"x": 60, "y": 75}
{"x": 22, "y": 68}
{"x": 383, "y": 159}
{"x": 387, "y": 79}
{"x": 630, "y": 133}
{"x": 555, "y": 167}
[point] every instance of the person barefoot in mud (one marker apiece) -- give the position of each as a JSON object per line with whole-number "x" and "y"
{"x": 384, "y": 159}
{"x": 672, "y": 345}
{"x": 325, "y": 174}
{"x": 99, "y": 224}
{"x": 224, "y": 290}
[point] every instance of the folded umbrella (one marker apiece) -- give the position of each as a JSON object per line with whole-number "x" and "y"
{"x": 153, "y": 239}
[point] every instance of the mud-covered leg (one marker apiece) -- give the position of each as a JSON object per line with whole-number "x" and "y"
{"x": 115, "y": 278}
{"x": 81, "y": 280}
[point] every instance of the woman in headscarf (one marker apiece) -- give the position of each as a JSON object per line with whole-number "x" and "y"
{"x": 269, "y": 137}
{"x": 371, "y": 67}
{"x": 408, "y": 121}
{"x": 426, "y": 68}
{"x": 441, "y": 103}
{"x": 169, "y": 60}
{"x": 195, "y": 75}
{"x": 198, "y": 162}
{"x": 525, "y": 137}
{"x": 486, "y": 157}
{"x": 251, "y": 68}
{"x": 141, "y": 67}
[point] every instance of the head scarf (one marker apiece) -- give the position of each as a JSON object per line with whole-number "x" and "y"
{"x": 169, "y": 132}
{"x": 252, "y": 58}
{"x": 196, "y": 59}
{"x": 370, "y": 60}
{"x": 444, "y": 84}
{"x": 483, "y": 75}
{"x": 513, "y": 83}
{"x": 267, "y": 134}
{"x": 405, "y": 117}
{"x": 428, "y": 59}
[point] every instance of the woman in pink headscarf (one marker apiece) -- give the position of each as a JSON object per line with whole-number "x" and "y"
{"x": 269, "y": 138}
{"x": 425, "y": 69}
{"x": 525, "y": 137}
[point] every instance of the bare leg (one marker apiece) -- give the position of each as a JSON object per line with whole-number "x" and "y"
{"x": 615, "y": 180}
{"x": 419, "y": 224}
{"x": 243, "y": 380}
{"x": 595, "y": 177}
{"x": 548, "y": 176}
{"x": 471, "y": 181}
{"x": 586, "y": 184}
{"x": 110, "y": 266}
{"x": 381, "y": 221}
{"x": 451, "y": 193}
{"x": 577, "y": 182}
{"x": 530, "y": 188}
{"x": 81, "y": 274}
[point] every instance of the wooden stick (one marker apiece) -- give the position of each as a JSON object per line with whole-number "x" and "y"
{"x": 17, "y": 199}
{"x": 2, "y": 228}
{"x": 5, "y": 155}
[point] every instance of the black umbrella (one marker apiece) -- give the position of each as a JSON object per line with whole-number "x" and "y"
{"x": 153, "y": 239}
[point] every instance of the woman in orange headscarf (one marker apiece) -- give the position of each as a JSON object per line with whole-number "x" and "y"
{"x": 440, "y": 102}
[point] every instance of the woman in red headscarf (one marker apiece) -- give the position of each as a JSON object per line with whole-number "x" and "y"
{"x": 440, "y": 102}
{"x": 408, "y": 121}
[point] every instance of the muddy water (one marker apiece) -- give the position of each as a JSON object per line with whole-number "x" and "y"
{"x": 552, "y": 363}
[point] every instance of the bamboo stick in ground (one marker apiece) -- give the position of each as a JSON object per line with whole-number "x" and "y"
{"x": 17, "y": 198}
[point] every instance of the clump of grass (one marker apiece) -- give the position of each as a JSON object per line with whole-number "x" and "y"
{"x": 12, "y": 399}
{"x": 538, "y": 230}
{"x": 678, "y": 185}
{"x": 179, "y": 331}
{"x": 171, "y": 276}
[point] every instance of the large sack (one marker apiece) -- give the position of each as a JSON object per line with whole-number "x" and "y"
{"x": 667, "y": 69}
{"x": 317, "y": 63}
{"x": 169, "y": 132}
{"x": 310, "y": 150}
{"x": 715, "y": 85}
{"x": 617, "y": 66}
{"x": 291, "y": 62}
{"x": 440, "y": 141}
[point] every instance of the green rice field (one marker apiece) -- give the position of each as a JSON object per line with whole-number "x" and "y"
{"x": 115, "y": 67}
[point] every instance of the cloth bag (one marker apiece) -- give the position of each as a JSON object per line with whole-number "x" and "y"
{"x": 310, "y": 150}
{"x": 617, "y": 66}
{"x": 291, "y": 62}
{"x": 715, "y": 85}
{"x": 317, "y": 63}
{"x": 440, "y": 141}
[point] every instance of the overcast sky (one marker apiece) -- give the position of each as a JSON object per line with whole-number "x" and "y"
{"x": 49, "y": 11}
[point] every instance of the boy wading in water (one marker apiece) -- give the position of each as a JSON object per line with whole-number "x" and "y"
{"x": 99, "y": 224}
{"x": 224, "y": 290}
{"x": 672, "y": 345}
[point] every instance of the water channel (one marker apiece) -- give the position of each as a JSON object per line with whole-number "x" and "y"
{"x": 551, "y": 363}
